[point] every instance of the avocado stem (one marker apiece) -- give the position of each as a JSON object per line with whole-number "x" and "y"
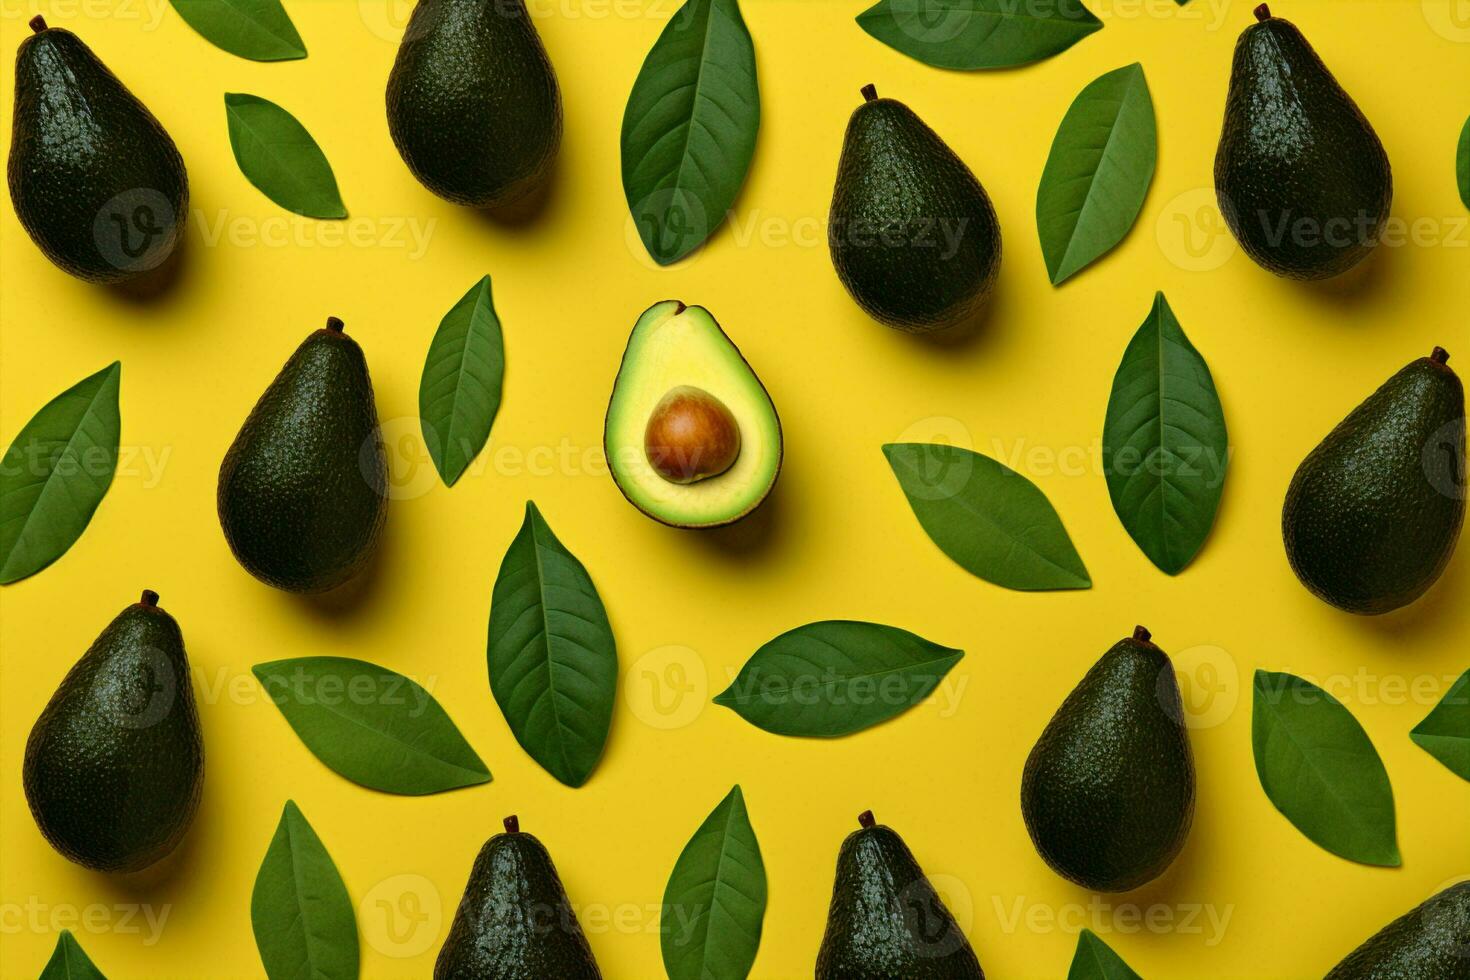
{"x": 1263, "y": 13}
{"x": 38, "y": 23}
{"x": 1141, "y": 634}
{"x": 870, "y": 92}
{"x": 866, "y": 820}
{"x": 150, "y": 598}
{"x": 333, "y": 324}
{"x": 1439, "y": 355}
{"x": 512, "y": 824}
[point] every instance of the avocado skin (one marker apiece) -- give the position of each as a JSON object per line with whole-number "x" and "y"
{"x": 114, "y": 767}
{"x": 1430, "y": 942}
{"x": 1373, "y": 513}
{"x": 94, "y": 178}
{"x": 514, "y": 921}
{"x": 1108, "y": 790}
{"x": 900, "y": 191}
{"x": 886, "y": 922}
{"x": 303, "y": 489}
{"x": 1295, "y": 148}
{"x": 473, "y": 104}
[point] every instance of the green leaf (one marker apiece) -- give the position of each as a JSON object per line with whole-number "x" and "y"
{"x": 836, "y": 677}
{"x": 459, "y": 392}
{"x": 303, "y": 920}
{"x": 971, "y": 34}
{"x": 69, "y": 962}
{"x": 372, "y": 725}
{"x": 1445, "y": 731}
{"x": 689, "y": 128}
{"x": 1318, "y": 767}
{"x": 56, "y": 472}
{"x": 278, "y": 156}
{"x": 553, "y": 661}
{"x": 1462, "y": 164}
{"x": 254, "y": 29}
{"x": 1165, "y": 448}
{"x": 1095, "y": 960}
{"x": 710, "y": 925}
{"x": 990, "y": 519}
{"x": 1098, "y": 173}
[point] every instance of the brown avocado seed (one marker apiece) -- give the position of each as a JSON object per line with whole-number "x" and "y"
{"x": 691, "y": 436}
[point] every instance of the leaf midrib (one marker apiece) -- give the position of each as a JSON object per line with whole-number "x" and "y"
{"x": 951, "y": 660}
{"x": 1279, "y": 724}
{"x": 46, "y": 484}
{"x": 1005, "y": 532}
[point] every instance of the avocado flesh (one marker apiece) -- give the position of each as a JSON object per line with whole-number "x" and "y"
{"x": 514, "y": 921}
{"x": 886, "y": 922}
{"x": 1302, "y": 179}
{"x": 1430, "y": 942}
{"x": 303, "y": 489}
{"x": 114, "y": 766}
{"x": 94, "y": 178}
{"x": 1108, "y": 790}
{"x": 473, "y": 104}
{"x": 674, "y": 345}
{"x": 1373, "y": 513}
{"x": 912, "y": 234}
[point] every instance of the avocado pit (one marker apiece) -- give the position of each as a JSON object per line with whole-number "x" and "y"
{"x": 691, "y": 436}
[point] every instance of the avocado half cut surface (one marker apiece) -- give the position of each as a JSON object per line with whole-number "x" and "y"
{"x": 692, "y": 438}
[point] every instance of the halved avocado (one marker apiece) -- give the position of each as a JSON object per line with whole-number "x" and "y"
{"x": 691, "y": 436}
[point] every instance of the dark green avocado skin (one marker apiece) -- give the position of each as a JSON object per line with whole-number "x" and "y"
{"x": 1302, "y": 179}
{"x": 1373, "y": 513}
{"x": 473, "y": 104}
{"x": 514, "y": 921}
{"x": 912, "y": 234}
{"x": 95, "y": 180}
{"x": 1108, "y": 790}
{"x": 303, "y": 489}
{"x": 114, "y": 767}
{"x": 886, "y": 922}
{"x": 1431, "y": 942}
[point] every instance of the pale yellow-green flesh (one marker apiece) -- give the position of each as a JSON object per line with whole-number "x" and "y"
{"x": 668, "y": 350}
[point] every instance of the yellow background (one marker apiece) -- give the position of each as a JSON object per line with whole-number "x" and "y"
{"x": 835, "y": 540}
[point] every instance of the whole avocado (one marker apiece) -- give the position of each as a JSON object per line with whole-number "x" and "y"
{"x": 473, "y": 104}
{"x": 514, "y": 921}
{"x": 886, "y": 922}
{"x": 94, "y": 178}
{"x": 1108, "y": 791}
{"x": 114, "y": 767}
{"x": 1301, "y": 177}
{"x": 912, "y": 234}
{"x": 1429, "y": 942}
{"x": 1373, "y": 513}
{"x": 303, "y": 489}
